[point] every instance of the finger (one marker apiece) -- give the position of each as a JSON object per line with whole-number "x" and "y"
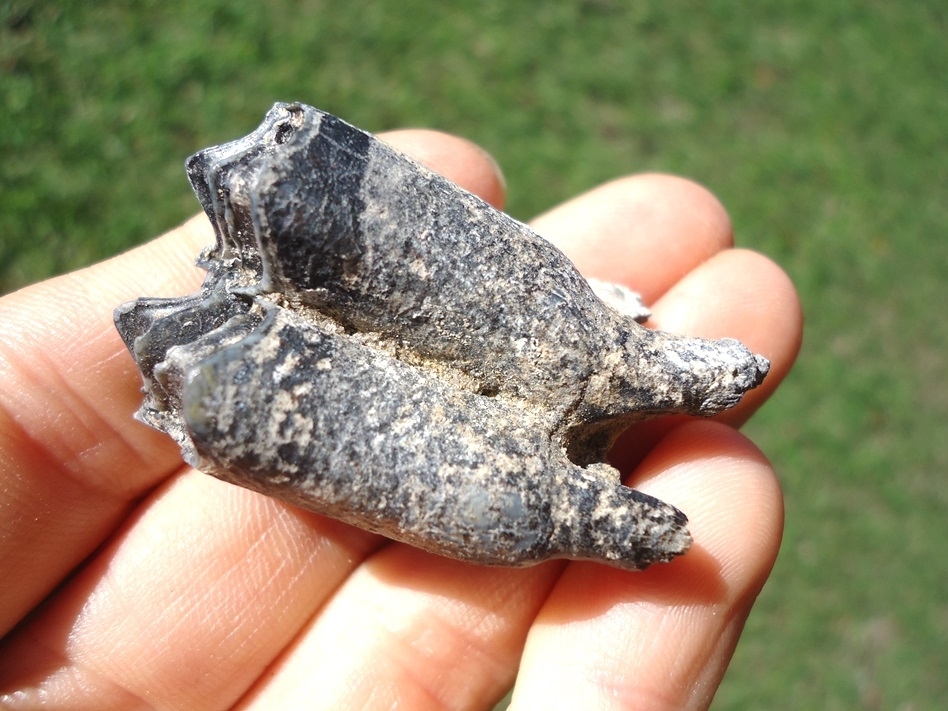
{"x": 239, "y": 574}
{"x": 457, "y": 159}
{"x": 644, "y": 231}
{"x": 411, "y": 630}
{"x": 73, "y": 457}
{"x": 185, "y": 606}
{"x": 661, "y": 639}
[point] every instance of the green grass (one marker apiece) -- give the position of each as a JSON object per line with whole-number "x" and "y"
{"x": 821, "y": 126}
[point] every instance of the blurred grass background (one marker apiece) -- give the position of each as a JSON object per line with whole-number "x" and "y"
{"x": 820, "y": 125}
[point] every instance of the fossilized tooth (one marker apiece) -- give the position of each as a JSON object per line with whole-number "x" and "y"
{"x": 376, "y": 344}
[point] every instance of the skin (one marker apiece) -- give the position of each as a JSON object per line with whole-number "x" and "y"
{"x": 135, "y": 582}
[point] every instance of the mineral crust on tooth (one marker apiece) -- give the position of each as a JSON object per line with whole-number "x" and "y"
{"x": 375, "y": 344}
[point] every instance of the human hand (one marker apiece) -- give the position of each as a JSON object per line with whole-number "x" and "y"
{"x": 132, "y": 581}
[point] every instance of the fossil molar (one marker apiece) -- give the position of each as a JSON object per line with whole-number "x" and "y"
{"x": 376, "y": 344}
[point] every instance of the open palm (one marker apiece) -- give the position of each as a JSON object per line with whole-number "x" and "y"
{"x": 132, "y": 581}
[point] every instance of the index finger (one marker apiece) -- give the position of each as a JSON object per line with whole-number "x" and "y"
{"x": 646, "y": 231}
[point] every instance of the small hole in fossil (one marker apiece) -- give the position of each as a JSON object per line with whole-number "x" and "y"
{"x": 283, "y": 131}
